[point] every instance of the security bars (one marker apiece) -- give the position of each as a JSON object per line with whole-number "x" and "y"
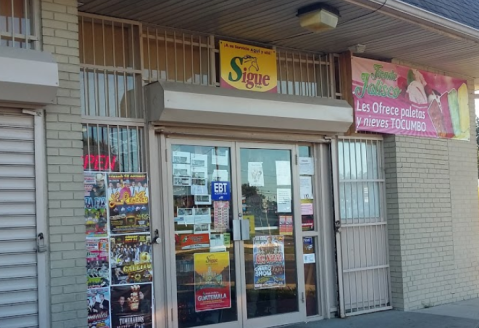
{"x": 18, "y": 24}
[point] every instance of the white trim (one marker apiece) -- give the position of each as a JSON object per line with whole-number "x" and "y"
{"x": 41, "y": 217}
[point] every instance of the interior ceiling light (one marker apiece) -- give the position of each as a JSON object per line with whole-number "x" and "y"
{"x": 318, "y": 17}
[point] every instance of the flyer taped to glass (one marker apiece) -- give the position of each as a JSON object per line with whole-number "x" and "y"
{"x": 128, "y": 198}
{"x": 268, "y": 258}
{"x": 95, "y": 204}
{"x": 131, "y": 306}
{"x": 97, "y": 267}
{"x": 98, "y": 303}
{"x": 131, "y": 259}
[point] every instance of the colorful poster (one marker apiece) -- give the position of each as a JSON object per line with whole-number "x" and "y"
{"x": 246, "y": 67}
{"x": 128, "y": 203}
{"x": 194, "y": 241}
{"x": 95, "y": 204}
{"x": 286, "y": 225}
{"x": 98, "y": 307}
{"x": 212, "y": 281}
{"x": 268, "y": 260}
{"x": 131, "y": 259}
{"x": 396, "y": 99}
{"x": 97, "y": 266}
{"x": 255, "y": 174}
{"x": 221, "y": 216}
{"x": 252, "y": 227}
{"x": 131, "y": 306}
{"x": 307, "y": 207}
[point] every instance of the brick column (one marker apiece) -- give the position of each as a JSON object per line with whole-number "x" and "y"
{"x": 59, "y": 20}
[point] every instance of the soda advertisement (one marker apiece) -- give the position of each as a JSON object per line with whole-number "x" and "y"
{"x": 212, "y": 281}
{"x": 268, "y": 260}
{"x": 396, "y": 99}
{"x": 128, "y": 203}
{"x": 98, "y": 302}
{"x": 131, "y": 259}
{"x": 246, "y": 67}
{"x": 95, "y": 204}
{"x": 97, "y": 266}
{"x": 131, "y": 306}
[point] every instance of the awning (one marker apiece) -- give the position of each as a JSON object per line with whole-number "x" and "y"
{"x": 27, "y": 76}
{"x": 169, "y": 102}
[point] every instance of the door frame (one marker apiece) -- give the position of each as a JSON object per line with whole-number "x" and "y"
{"x": 169, "y": 240}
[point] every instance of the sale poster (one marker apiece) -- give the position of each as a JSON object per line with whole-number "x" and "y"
{"x": 212, "y": 281}
{"x": 128, "y": 203}
{"x": 131, "y": 306}
{"x": 95, "y": 204}
{"x": 98, "y": 307}
{"x": 286, "y": 225}
{"x": 97, "y": 266}
{"x": 268, "y": 260}
{"x": 131, "y": 259}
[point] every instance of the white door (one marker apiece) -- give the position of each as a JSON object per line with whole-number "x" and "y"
{"x": 19, "y": 285}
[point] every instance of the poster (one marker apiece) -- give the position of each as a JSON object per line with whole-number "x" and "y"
{"x": 194, "y": 241}
{"x": 193, "y": 215}
{"x": 306, "y": 166}
{"x": 181, "y": 170}
{"x": 98, "y": 302}
{"x": 283, "y": 198}
{"x": 212, "y": 281}
{"x": 199, "y": 161}
{"x": 95, "y": 204}
{"x": 181, "y": 157}
{"x": 307, "y": 207}
{"x": 131, "y": 306}
{"x": 252, "y": 227}
{"x": 199, "y": 186}
{"x": 286, "y": 225}
{"x": 221, "y": 216}
{"x": 128, "y": 205}
{"x": 97, "y": 264}
{"x": 217, "y": 243}
{"x": 396, "y": 99}
{"x": 203, "y": 199}
{"x": 283, "y": 173}
{"x": 255, "y": 174}
{"x": 220, "y": 175}
{"x": 268, "y": 260}
{"x": 131, "y": 259}
{"x": 246, "y": 67}
{"x": 306, "y": 187}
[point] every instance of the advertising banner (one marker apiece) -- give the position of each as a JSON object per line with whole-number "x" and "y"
{"x": 212, "y": 281}
{"x": 95, "y": 204}
{"x": 128, "y": 202}
{"x": 268, "y": 260}
{"x": 131, "y": 306}
{"x": 97, "y": 267}
{"x": 131, "y": 259}
{"x": 98, "y": 302}
{"x": 245, "y": 67}
{"x": 396, "y": 99}
{"x": 194, "y": 241}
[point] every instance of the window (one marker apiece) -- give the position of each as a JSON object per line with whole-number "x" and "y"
{"x": 16, "y": 24}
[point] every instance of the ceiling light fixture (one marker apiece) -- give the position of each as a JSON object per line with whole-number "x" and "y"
{"x": 318, "y": 17}
{"x": 357, "y": 48}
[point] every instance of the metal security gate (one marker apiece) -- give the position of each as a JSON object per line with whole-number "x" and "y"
{"x": 363, "y": 238}
{"x": 18, "y": 222}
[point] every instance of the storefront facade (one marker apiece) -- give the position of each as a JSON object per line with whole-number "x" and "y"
{"x": 217, "y": 180}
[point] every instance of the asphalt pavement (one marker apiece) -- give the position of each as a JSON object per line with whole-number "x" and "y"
{"x": 464, "y": 314}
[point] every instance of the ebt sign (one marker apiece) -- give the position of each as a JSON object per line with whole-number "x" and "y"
{"x": 244, "y": 67}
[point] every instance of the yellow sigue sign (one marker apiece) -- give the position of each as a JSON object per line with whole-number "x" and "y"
{"x": 245, "y": 67}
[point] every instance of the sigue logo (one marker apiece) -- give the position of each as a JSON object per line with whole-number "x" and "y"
{"x": 242, "y": 67}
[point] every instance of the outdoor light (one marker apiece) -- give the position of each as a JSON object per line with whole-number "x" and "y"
{"x": 318, "y": 17}
{"x": 357, "y": 48}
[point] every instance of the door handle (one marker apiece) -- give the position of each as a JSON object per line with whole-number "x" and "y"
{"x": 240, "y": 229}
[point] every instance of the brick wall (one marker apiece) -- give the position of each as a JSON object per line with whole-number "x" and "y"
{"x": 59, "y": 20}
{"x": 433, "y": 217}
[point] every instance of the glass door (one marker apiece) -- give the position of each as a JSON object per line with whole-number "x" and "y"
{"x": 272, "y": 294}
{"x": 204, "y": 254}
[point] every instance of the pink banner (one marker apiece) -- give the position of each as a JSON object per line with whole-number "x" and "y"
{"x": 395, "y": 99}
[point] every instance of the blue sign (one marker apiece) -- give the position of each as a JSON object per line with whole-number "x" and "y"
{"x": 220, "y": 190}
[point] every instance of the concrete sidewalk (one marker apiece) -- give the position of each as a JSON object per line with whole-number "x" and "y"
{"x": 464, "y": 314}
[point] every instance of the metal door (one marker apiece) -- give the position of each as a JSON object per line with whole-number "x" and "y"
{"x": 361, "y": 226}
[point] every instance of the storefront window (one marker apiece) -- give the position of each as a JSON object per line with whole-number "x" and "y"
{"x": 112, "y": 148}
